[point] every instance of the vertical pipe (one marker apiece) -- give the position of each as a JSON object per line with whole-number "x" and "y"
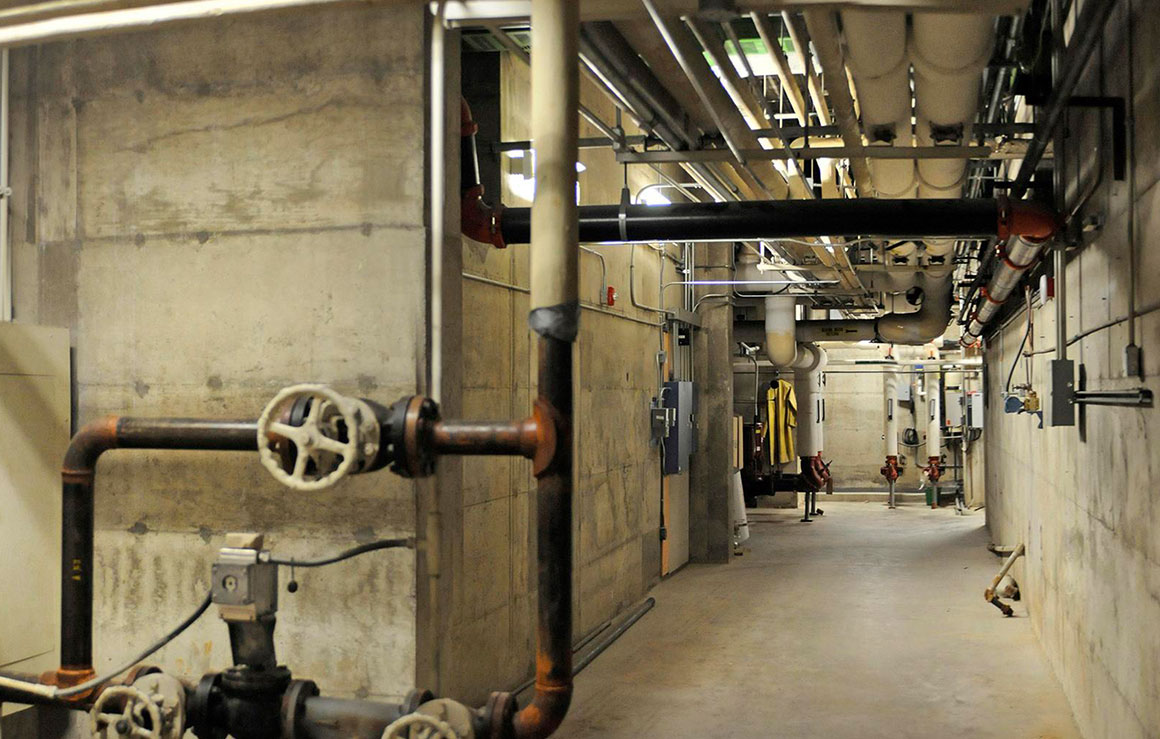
{"x": 555, "y": 316}
{"x": 1060, "y": 258}
{"x": 437, "y": 164}
{"x": 890, "y": 413}
{"x": 5, "y": 197}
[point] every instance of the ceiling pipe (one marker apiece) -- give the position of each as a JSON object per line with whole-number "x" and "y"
{"x": 771, "y": 219}
{"x": 876, "y": 55}
{"x": 801, "y": 44}
{"x": 913, "y": 328}
{"x": 823, "y": 29}
{"x": 606, "y": 50}
{"x": 789, "y": 83}
{"x": 738, "y": 135}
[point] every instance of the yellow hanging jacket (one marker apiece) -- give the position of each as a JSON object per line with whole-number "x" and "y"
{"x": 782, "y": 409}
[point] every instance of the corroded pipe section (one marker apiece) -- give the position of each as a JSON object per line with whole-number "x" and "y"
{"x": 77, "y": 477}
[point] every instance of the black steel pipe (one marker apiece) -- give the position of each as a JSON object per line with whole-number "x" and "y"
{"x": 553, "y": 550}
{"x": 77, "y": 478}
{"x": 769, "y": 219}
{"x": 1089, "y": 29}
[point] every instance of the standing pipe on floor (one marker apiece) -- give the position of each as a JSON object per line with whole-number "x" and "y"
{"x": 77, "y": 477}
{"x": 934, "y": 433}
{"x": 890, "y": 431}
{"x": 555, "y": 317}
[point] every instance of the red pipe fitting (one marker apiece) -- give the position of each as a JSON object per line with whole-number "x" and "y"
{"x": 1024, "y": 218}
{"x": 815, "y": 471}
{"x": 890, "y": 470}
{"x": 477, "y": 220}
{"x": 933, "y": 470}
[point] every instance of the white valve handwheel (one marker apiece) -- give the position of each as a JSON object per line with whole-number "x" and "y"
{"x": 315, "y": 440}
{"x": 140, "y": 717}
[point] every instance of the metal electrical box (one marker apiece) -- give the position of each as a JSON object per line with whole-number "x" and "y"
{"x": 975, "y": 409}
{"x": 954, "y": 408}
{"x": 681, "y": 397}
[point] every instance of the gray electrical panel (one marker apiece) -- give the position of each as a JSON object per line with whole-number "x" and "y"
{"x": 681, "y": 397}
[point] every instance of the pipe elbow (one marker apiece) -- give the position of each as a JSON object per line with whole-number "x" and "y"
{"x": 545, "y": 713}
{"x": 781, "y": 349}
{"x": 1030, "y": 220}
{"x": 93, "y": 440}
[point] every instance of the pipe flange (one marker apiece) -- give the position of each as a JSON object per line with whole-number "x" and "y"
{"x": 294, "y": 706}
{"x": 406, "y": 440}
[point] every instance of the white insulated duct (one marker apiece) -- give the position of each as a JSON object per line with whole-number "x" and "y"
{"x": 890, "y": 413}
{"x": 949, "y": 52}
{"x": 934, "y": 418}
{"x": 780, "y": 335}
{"x": 877, "y": 59}
{"x": 809, "y": 386}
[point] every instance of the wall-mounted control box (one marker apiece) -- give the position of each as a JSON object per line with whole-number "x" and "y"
{"x": 680, "y": 397}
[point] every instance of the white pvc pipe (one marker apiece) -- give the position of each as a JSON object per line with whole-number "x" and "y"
{"x": 780, "y": 338}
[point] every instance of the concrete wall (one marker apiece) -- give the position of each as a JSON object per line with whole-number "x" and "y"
{"x": 217, "y": 211}
{"x": 617, "y": 501}
{"x": 1084, "y": 498}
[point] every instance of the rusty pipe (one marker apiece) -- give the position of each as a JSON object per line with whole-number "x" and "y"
{"x": 77, "y": 485}
{"x": 553, "y": 551}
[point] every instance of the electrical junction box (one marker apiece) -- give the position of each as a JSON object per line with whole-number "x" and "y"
{"x": 680, "y": 397}
{"x": 1059, "y": 400}
{"x": 904, "y": 392}
{"x": 974, "y": 406}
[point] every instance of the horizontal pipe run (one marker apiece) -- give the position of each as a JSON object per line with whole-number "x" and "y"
{"x": 515, "y": 438}
{"x": 770, "y": 219}
{"x": 817, "y": 152}
{"x": 77, "y": 476}
{"x": 788, "y": 131}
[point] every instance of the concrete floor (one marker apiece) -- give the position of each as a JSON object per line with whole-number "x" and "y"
{"x": 866, "y": 623}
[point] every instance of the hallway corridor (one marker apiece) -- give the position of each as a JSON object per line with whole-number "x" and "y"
{"x": 866, "y": 623}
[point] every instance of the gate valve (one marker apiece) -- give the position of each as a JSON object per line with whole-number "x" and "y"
{"x": 138, "y": 716}
{"x": 890, "y": 469}
{"x": 309, "y": 436}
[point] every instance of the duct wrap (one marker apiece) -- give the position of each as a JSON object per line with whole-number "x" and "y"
{"x": 780, "y": 339}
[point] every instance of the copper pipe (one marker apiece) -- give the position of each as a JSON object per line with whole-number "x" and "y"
{"x": 78, "y": 476}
